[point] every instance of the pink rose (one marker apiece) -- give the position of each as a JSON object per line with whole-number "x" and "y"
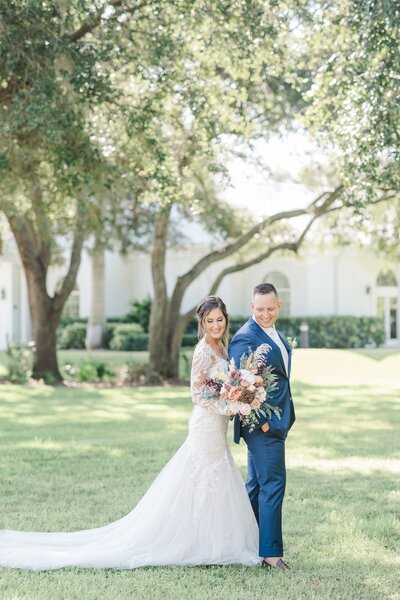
{"x": 245, "y": 409}
{"x": 235, "y": 394}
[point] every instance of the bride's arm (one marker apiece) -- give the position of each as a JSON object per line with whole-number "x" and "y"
{"x": 203, "y": 361}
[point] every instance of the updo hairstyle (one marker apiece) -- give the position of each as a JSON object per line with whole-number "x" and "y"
{"x": 204, "y": 308}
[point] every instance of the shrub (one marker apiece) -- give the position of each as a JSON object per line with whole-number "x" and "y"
{"x": 19, "y": 363}
{"x": 122, "y": 330}
{"x": 335, "y": 331}
{"x": 72, "y": 336}
{"x": 324, "y": 332}
{"x": 189, "y": 340}
{"x": 134, "y": 372}
{"x": 64, "y": 321}
{"x": 140, "y": 313}
{"x": 90, "y": 370}
{"x": 128, "y": 337}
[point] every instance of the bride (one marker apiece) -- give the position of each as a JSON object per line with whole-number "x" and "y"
{"x": 196, "y": 512}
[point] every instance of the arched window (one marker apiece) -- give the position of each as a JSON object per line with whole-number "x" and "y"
{"x": 71, "y": 307}
{"x": 281, "y": 282}
{"x": 386, "y": 279}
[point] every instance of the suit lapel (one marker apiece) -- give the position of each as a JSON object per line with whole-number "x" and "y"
{"x": 264, "y": 337}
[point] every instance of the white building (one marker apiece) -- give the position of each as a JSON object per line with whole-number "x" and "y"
{"x": 341, "y": 281}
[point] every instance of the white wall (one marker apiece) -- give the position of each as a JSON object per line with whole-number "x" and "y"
{"x": 14, "y": 309}
{"x": 328, "y": 283}
{"x": 6, "y": 304}
{"x": 355, "y": 277}
{"x": 321, "y": 283}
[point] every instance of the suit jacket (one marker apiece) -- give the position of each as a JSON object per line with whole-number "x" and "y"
{"x": 245, "y": 341}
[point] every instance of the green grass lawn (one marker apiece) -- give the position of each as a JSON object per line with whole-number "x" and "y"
{"x": 79, "y": 458}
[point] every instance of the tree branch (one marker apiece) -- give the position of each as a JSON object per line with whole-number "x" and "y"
{"x": 317, "y": 207}
{"x": 292, "y": 246}
{"x": 67, "y": 286}
{"x": 229, "y": 249}
{"x": 94, "y": 21}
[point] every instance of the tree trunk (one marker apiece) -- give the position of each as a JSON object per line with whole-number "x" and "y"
{"x": 175, "y": 333}
{"x": 45, "y": 319}
{"x": 158, "y": 348}
{"x": 167, "y": 324}
{"x": 97, "y": 318}
{"x": 34, "y": 248}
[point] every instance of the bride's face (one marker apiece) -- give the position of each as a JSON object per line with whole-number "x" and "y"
{"x": 214, "y": 324}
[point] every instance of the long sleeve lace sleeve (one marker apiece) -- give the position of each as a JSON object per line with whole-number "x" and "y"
{"x": 203, "y": 362}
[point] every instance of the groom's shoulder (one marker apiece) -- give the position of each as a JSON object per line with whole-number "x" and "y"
{"x": 244, "y": 330}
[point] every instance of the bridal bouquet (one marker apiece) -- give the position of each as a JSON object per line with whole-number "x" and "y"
{"x": 246, "y": 387}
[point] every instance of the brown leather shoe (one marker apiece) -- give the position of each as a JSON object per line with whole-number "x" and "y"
{"x": 281, "y": 564}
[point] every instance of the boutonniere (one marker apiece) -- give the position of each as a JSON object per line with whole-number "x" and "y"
{"x": 292, "y": 342}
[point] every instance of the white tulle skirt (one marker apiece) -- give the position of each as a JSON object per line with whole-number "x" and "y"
{"x": 196, "y": 512}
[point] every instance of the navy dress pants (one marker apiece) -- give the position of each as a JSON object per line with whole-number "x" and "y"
{"x": 266, "y": 482}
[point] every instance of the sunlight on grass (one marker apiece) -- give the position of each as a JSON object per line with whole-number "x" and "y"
{"x": 353, "y": 464}
{"x": 77, "y": 458}
{"x": 345, "y": 367}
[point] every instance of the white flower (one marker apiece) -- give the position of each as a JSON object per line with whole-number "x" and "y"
{"x": 292, "y": 342}
{"x": 247, "y": 376}
{"x": 245, "y": 409}
{"x": 261, "y": 394}
{"x": 220, "y": 375}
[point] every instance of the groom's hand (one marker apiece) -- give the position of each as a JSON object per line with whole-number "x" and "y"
{"x": 265, "y": 427}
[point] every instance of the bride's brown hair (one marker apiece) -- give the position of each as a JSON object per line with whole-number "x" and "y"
{"x": 204, "y": 309}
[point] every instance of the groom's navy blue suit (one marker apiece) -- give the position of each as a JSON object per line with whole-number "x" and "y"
{"x": 266, "y": 450}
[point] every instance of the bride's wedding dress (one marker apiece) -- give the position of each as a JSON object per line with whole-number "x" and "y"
{"x": 196, "y": 512}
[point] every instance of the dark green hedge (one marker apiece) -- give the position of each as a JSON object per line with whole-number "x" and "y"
{"x": 324, "y": 332}
{"x": 336, "y": 332}
{"x": 73, "y": 336}
{"x": 129, "y": 336}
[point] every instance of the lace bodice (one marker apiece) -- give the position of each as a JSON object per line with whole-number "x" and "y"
{"x": 206, "y": 362}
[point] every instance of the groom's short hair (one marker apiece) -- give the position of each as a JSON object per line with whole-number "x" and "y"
{"x": 265, "y": 288}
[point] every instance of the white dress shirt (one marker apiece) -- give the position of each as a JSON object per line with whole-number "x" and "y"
{"x": 273, "y": 334}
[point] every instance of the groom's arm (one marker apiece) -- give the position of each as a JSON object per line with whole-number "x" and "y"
{"x": 239, "y": 346}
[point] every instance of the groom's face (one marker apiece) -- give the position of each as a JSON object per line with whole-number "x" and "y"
{"x": 265, "y": 309}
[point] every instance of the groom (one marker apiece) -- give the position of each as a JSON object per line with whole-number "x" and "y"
{"x": 266, "y": 444}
